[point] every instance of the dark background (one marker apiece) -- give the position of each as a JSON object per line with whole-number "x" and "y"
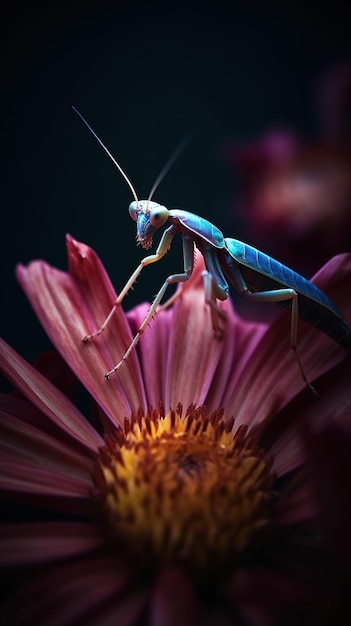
{"x": 145, "y": 75}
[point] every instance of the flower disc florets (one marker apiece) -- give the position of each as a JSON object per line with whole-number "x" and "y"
{"x": 184, "y": 489}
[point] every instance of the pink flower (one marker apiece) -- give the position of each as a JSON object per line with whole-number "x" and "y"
{"x": 172, "y": 517}
{"x": 296, "y": 197}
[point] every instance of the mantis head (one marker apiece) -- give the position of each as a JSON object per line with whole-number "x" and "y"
{"x": 149, "y": 216}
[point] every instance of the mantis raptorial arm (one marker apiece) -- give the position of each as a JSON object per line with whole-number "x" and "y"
{"x": 188, "y": 257}
{"x": 163, "y": 246}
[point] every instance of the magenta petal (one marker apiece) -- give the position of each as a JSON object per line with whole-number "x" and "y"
{"x": 194, "y": 351}
{"x": 153, "y": 350}
{"x": 88, "y": 591}
{"x": 328, "y": 451}
{"x": 287, "y": 451}
{"x": 53, "y": 367}
{"x": 72, "y": 305}
{"x": 175, "y": 601}
{"x": 298, "y": 503}
{"x": 47, "y": 398}
{"x": 194, "y": 354}
{"x": 33, "y": 543}
{"x": 266, "y": 597}
{"x": 29, "y": 484}
{"x": 182, "y": 360}
{"x": 23, "y": 409}
{"x": 239, "y": 342}
{"x": 271, "y": 377}
{"x": 282, "y": 434}
{"x": 20, "y": 442}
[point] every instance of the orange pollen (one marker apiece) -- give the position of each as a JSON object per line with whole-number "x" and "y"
{"x": 186, "y": 489}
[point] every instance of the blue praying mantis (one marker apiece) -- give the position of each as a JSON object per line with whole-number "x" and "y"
{"x": 253, "y": 274}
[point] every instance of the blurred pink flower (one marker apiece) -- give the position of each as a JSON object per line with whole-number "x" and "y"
{"x": 296, "y": 197}
{"x": 298, "y": 200}
{"x": 66, "y": 567}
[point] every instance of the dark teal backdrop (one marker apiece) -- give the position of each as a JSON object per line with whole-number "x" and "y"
{"x": 145, "y": 75}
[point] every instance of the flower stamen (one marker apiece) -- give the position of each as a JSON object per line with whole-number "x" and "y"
{"x": 184, "y": 489}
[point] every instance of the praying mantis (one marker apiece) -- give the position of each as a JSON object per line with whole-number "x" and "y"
{"x": 254, "y": 274}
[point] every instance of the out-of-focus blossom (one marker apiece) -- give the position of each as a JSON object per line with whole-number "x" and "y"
{"x": 213, "y": 515}
{"x": 296, "y": 196}
{"x": 333, "y": 101}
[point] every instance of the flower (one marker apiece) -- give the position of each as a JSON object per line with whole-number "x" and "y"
{"x": 296, "y": 197}
{"x": 209, "y": 515}
{"x": 296, "y": 194}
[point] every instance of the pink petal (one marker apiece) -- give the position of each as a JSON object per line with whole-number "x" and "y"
{"x": 194, "y": 352}
{"x": 287, "y": 451}
{"x": 47, "y": 398}
{"x": 297, "y": 503}
{"x": 87, "y": 591}
{"x": 266, "y": 597}
{"x": 282, "y": 434}
{"x": 154, "y": 343}
{"x": 336, "y": 405}
{"x": 175, "y": 601}
{"x": 31, "y": 484}
{"x": 29, "y": 544}
{"x": 53, "y": 367}
{"x": 199, "y": 363}
{"x": 182, "y": 360}
{"x": 20, "y": 407}
{"x": 23, "y": 442}
{"x": 153, "y": 350}
{"x": 328, "y": 450}
{"x": 72, "y": 305}
{"x": 239, "y": 342}
{"x": 271, "y": 377}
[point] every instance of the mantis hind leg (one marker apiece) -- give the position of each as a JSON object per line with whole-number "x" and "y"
{"x": 215, "y": 287}
{"x": 276, "y": 295}
{"x": 211, "y": 299}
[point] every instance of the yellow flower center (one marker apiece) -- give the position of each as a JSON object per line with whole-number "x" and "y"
{"x": 186, "y": 489}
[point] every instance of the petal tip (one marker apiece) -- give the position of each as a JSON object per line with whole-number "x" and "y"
{"x": 80, "y": 257}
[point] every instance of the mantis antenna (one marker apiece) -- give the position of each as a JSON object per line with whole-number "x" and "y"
{"x": 109, "y": 154}
{"x": 172, "y": 159}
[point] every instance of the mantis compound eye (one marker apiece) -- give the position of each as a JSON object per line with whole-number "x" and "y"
{"x": 133, "y": 207}
{"x": 158, "y": 216}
